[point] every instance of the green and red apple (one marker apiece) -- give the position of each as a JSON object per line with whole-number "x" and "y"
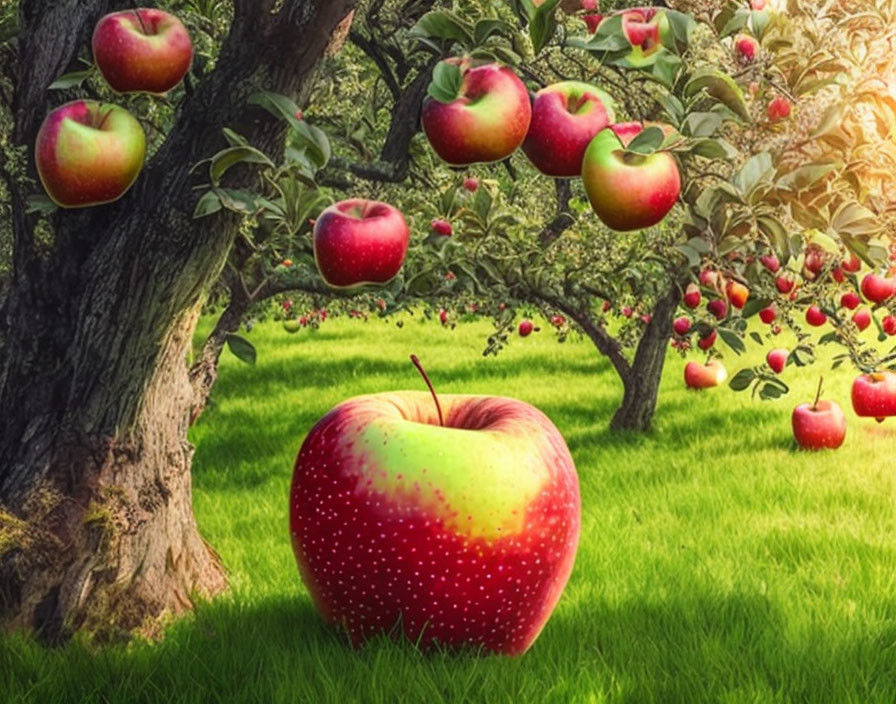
{"x": 486, "y": 121}
{"x": 628, "y": 190}
{"x": 457, "y": 530}
{"x": 704, "y": 376}
{"x": 565, "y": 118}
{"x": 88, "y": 153}
{"x": 143, "y": 49}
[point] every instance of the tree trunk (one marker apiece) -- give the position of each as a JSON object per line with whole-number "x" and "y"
{"x": 642, "y": 382}
{"x": 96, "y": 524}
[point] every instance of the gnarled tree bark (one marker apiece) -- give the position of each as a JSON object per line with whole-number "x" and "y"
{"x": 96, "y": 523}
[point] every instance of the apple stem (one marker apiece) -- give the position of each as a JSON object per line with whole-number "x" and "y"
{"x": 818, "y": 394}
{"x": 416, "y": 362}
{"x": 140, "y": 20}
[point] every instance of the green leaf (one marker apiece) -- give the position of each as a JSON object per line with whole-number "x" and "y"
{"x": 234, "y": 139}
{"x": 487, "y": 27}
{"x": 237, "y": 200}
{"x": 758, "y": 22}
{"x": 742, "y": 379}
{"x": 806, "y": 176}
{"x": 681, "y": 26}
{"x": 831, "y": 119}
{"x": 721, "y": 87}
{"x": 543, "y": 24}
{"x": 242, "y": 348}
{"x": 441, "y": 24}
{"x": 733, "y": 340}
{"x": 736, "y": 23}
{"x": 702, "y": 124}
{"x": 646, "y": 141}
{"x": 714, "y": 149}
{"x": 856, "y": 220}
{"x": 277, "y": 104}
{"x": 208, "y": 204}
{"x": 39, "y": 204}
{"x": 802, "y": 356}
{"x": 71, "y": 80}
{"x": 771, "y": 390}
{"x": 753, "y": 306}
{"x": 231, "y": 156}
{"x": 757, "y": 168}
{"x": 609, "y": 37}
{"x": 446, "y": 82}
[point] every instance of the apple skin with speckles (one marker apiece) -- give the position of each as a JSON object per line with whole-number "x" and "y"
{"x": 360, "y": 242}
{"x": 462, "y": 535}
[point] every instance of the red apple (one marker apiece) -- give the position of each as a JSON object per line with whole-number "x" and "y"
{"x": 815, "y": 316}
{"x": 784, "y": 284}
{"x": 889, "y": 325}
{"x": 704, "y": 376}
{"x": 852, "y": 265}
{"x": 88, "y": 153}
{"x": 768, "y": 314}
{"x": 818, "y": 426}
{"x": 565, "y": 118}
{"x": 471, "y": 184}
{"x": 757, "y": 5}
{"x": 877, "y": 288}
{"x": 850, "y": 300}
{"x": 142, "y": 50}
{"x": 777, "y": 359}
{"x": 443, "y": 316}
{"x": 718, "y": 308}
{"x": 862, "y": 318}
{"x": 814, "y": 261}
{"x": 627, "y": 190}
{"x": 626, "y": 311}
{"x": 485, "y": 122}
{"x": 557, "y": 320}
{"x": 692, "y": 296}
{"x": 745, "y": 48}
{"x": 441, "y": 227}
{"x": 707, "y": 341}
{"x": 709, "y": 278}
{"x": 874, "y": 395}
{"x": 778, "y": 108}
{"x": 770, "y": 262}
{"x": 682, "y": 325}
{"x": 359, "y": 241}
{"x": 456, "y": 529}
{"x": 592, "y": 22}
{"x": 525, "y": 328}
{"x": 737, "y": 293}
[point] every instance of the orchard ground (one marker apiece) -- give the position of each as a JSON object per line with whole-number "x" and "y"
{"x": 716, "y": 562}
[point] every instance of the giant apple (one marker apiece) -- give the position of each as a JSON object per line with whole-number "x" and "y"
{"x": 88, "y": 153}
{"x": 142, "y": 50}
{"x": 359, "y": 241}
{"x": 565, "y": 118}
{"x": 874, "y": 395}
{"x": 457, "y": 529}
{"x": 486, "y": 121}
{"x": 627, "y": 190}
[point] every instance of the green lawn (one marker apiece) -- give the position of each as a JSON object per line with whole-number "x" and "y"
{"x": 716, "y": 564}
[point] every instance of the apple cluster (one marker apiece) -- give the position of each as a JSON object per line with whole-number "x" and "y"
{"x": 88, "y": 152}
{"x": 566, "y": 130}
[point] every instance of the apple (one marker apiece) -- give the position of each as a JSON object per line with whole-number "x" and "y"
{"x": 862, "y": 318}
{"x": 627, "y": 190}
{"x": 88, "y": 153}
{"x": 768, "y": 314}
{"x": 557, "y": 321}
{"x": 682, "y": 325}
{"x": 692, "y": 296}
{"x": 443, "y": 316}
{"x": 718, "y": 308}
{"x": 784, "y": 284}
{"x": 592, "y": 22}
{"x": 877, "y": 288}
{"x": 818, "y": 426}
{"x": 745, "y": 48}
{"x": 485, "y": 122}
{"x": 709, "y": 278}
{"x": 525, "y": 328}
{"x": 850, "y": 300}
{"x": 646, "y": 318}
{"x": 626, "y": 311}
{"x": 838, "y": 275}
{"x": 737, "y": 293}
{"x": 565, "y": 118}
{"x": 359, "y": 241}
{"x": 441, "y": 227}
{"x": 874, "y": 395}
{"x": 589, "y": 5}
{"x": 758, "y": 5}
{"x": 704, "y": 376}
{"x": 291, "y": 325}
{"x": 814, "y": 261}
{"x": 142, "y": 50}
{"x": 471, "y": 184}
{"x": 852, "y": 265}
{"x": 815, "y": 316}
{"x": 777, "y": 359}
{"x": 778, "y": 108}
{"x": 770, "y": 262}
{"x": 889, "y": 325}
{"x": 454, "y": 523}
{"x": 708, "y": 340}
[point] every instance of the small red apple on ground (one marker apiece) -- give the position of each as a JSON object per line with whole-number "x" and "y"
{"x": 557, "y": 320}
{"x": 778, "y": 108}
{"x": 777, "y": 359}
{"x": 441, "y": 227}
{"x": 486, "y": 121}
{"x": 443, "y": 316}
{"x": 874, "y": 395}
{"x": 707, "y": 341}
{"x": 142, "y": 50}
{"x": 819, "y": 425}
{"x": 471, "y": 184}
{"x": 359, "y": 241}
{"x": 877, "y": 288}
{"x": 525, "y": 328}
{"x": 704, "y": 376}
{"x": 692, "y": 296}
{"x": 815, "y": 316}
{"x": 88, "y": 153}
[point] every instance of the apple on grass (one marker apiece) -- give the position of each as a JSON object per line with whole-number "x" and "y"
{"x": 88, "y": 153}
{"x": 874, "y": 395}
{"x": 485, "y": 121}
{"x": 819, "y": 425}
{"x": 526, "y": 327}
{"x": 144, "y": 50}
{"x": 704, "y": 376}
{"x": 565, "y": 118}
{"x": 628, "y": 190}
{"x": 359, "y": 241}
{"x": 450, "y": 520}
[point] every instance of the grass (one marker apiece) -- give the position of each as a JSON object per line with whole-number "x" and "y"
{"x": 716, "y": 563}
